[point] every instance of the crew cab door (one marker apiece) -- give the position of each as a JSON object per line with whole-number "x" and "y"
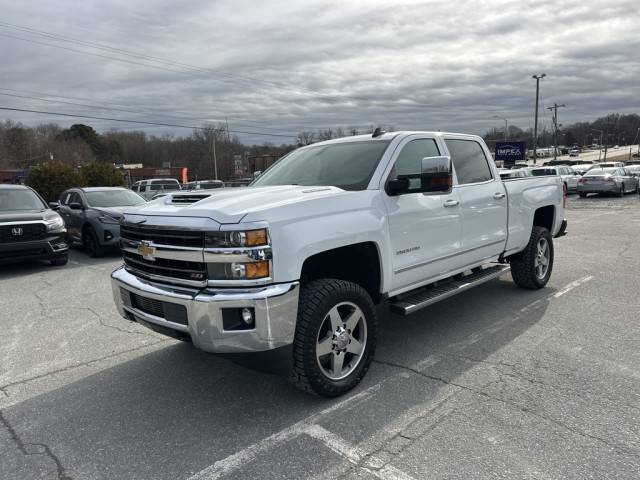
{"x": 424, "y": 228}
{"x": 483, "y": 200}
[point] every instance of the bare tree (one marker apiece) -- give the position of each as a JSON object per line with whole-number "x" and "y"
{"x": 305, "y": 138}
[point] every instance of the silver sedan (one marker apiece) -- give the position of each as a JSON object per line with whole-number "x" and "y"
{"x": 617, "y": 181}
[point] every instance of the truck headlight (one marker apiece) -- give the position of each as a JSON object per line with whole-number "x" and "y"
{"x": 238, "y": 271}
{"x": 54, "y": 223}
{"x": 230, "y": 239}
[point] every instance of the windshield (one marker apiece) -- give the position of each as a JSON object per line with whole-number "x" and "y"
{"x": 539, "y": 172}
{"x": 344, "y": 165}
{"x": 165, "y": 185}
{"x": 19, "y": 199}
{"x": 113, "y": 198}
{"x": 599, "y": 172}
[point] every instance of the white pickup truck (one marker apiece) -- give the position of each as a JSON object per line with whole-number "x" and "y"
{"x": 296, "y": 262}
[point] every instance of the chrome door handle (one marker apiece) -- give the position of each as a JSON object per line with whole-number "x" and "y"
{"x": 498, "y": 195}
{"x": 451, "y": 203}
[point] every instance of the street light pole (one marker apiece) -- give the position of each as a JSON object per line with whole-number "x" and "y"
{"x": 535, "y": 124}
{"x": 555, "y": 128}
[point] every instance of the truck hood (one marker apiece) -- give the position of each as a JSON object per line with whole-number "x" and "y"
{"x": 231, "y": 205}
{"x": 26, "y": 215}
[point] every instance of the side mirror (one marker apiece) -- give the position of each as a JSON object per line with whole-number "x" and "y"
{"x": 398, "y": 186}
{"x": 436, "y": 176}
{"x": 75, "y": 206}
{"x": 54, "y": 205}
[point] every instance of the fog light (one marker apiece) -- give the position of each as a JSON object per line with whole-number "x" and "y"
{"x": 247, "y": 316}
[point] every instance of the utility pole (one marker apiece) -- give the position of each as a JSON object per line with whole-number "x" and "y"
{"x": 535, "y": 124}
{"x": 213, "y": 149}
{"x": 600, "y": 146}
{"x": 554, "y": 109}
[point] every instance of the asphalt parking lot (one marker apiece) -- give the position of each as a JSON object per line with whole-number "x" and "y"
{"x": 494, "y": 383}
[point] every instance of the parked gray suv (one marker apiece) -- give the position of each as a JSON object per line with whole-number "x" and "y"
{"x": 92, "y": 215}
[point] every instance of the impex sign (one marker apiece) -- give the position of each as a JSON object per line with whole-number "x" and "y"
{"x": 510, "y": 152}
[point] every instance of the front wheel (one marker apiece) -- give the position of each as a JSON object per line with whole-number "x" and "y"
{"x": 335, "y": 337}
{"x": 91, "y": 243}
{"x": 531, "y": 268}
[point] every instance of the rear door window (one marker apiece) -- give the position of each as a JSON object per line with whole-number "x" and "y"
{"x": 469, "y": 161}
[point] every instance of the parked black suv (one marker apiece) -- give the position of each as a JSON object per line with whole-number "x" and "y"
{"x": 29, "y": 229}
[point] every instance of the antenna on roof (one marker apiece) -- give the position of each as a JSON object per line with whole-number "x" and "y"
{"x": 377, "y": 132}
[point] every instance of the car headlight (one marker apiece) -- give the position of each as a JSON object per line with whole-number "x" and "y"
{"x": 54, "y": 223}
{"x": 230, "y": 239}
{"x": 238, "y": 270}
{"x": 108, "y": 219}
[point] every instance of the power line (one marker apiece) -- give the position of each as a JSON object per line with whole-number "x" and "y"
{"x": 28, "y": 94}
{"x": 141, "y": 56}
{"x": 190, "y": 68}
{"x": 123, "y": 110}
{"x": 74, "y": 115}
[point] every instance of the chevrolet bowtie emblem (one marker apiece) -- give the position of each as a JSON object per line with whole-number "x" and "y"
{"x": 146, "y": 250}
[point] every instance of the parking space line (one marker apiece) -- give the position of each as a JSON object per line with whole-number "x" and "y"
{"x": 237, "y": 460}
{"x": 354, "y": 454}
{"x": 573, "y": 285}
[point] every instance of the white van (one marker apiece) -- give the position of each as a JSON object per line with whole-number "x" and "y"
{"x": 153, "y": 186}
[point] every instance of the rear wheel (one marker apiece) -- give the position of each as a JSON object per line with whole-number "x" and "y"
{"x": 91, "y": 243}
{"x": 582, "y": 194}
{"x": 335, "y": 337}
{"x": 532, "y": 267}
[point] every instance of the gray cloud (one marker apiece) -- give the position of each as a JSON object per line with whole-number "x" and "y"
{"x": 284, "y": 66}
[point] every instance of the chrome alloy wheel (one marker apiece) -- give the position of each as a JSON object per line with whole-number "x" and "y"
{"x": 541, "y": 260}
{"x": 341, "y": 340}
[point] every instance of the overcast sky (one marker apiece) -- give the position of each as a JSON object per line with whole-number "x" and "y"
{"x": 280, "y": 67}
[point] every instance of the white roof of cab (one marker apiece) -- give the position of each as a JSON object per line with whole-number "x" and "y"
{"x": 390, "y": 136}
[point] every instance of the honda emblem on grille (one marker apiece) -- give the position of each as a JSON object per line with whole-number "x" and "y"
{"x": 146, "y": 250}
{"x": 16, "y": 231}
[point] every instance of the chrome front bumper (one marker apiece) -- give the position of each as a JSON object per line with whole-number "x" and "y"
{"x": 275, "y": 308}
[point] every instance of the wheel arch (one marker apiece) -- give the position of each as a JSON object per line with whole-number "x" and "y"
{"x": 359, "y": 263}
{"x": 545, "y": 217}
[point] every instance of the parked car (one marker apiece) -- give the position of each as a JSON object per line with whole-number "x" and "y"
{"x": 574, "y": 152}
{"x": 93, "y": 215}
{"x": 607, "y": 165}
{"x": 29, "y": 228}
{"x": 148, "y": 188}
{"x": 204, "y": 185}
{"x": 568, "y": 174}
{"x": 608, "y": 180}
{"x": 634, "y": 170}
{"x": 297, "y": 261}
{"x": 580, "y": 169}
{"x": 518, "y": 173}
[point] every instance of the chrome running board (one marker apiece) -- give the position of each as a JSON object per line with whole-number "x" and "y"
{"x": 424, "y": 296}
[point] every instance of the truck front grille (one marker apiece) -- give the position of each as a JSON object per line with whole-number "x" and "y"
{"x": 27, "y": 232}
{"x": 163, "y": 236}
{"x": 164, "y": 267}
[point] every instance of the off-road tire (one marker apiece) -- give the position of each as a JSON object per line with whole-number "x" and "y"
{"x": 59, "y": 261}
{"x": 316, "y": 299}
{"x": 523, "y": 269}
